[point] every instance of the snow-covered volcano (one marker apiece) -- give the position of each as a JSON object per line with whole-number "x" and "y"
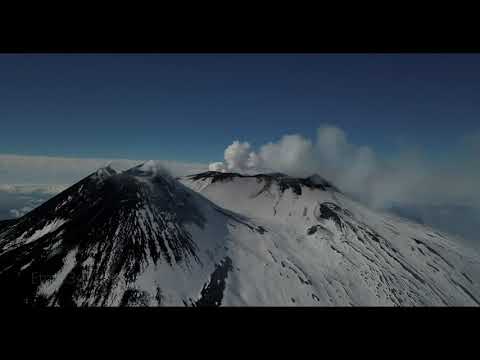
{"x": 350, "y": 254}
{"x": 140, "y": 237}
{"x": 133, "y": 238}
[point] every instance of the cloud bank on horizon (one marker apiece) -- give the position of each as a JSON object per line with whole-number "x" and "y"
{"x": 28, "y": 181}
{"x": 48, "y": 170}
{"x": 406, "y": 178}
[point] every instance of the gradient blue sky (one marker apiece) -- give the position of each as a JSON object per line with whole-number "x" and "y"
{"x": 189, "y": 107}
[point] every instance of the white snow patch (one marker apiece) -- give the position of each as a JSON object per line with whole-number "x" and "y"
{"x": 26, "y": 265}
{"x": 50, "y": 287}
{"x": 48, "y": 228}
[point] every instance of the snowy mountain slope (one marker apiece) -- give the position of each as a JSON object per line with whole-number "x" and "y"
{"x": 350, "y": 254}
{"x": 133, "y": 238}
{"x": 139, "y": 237}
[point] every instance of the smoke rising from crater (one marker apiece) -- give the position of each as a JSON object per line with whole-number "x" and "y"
{"x": 357, "y": 169}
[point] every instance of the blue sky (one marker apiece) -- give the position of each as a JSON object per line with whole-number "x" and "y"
{"x": 189, "y": 107}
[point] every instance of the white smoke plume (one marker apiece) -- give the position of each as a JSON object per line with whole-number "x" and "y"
{"x": 237, "y": 155}
{"x": 357, "y": 170}
{"x": 217, "y": 166}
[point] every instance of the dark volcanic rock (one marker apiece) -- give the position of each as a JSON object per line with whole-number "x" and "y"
{"x": 283, "y": 181}
{"x": 5, "y": 224}
{"x": 212, "y": 292}
{"x": 118, "y": 222}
